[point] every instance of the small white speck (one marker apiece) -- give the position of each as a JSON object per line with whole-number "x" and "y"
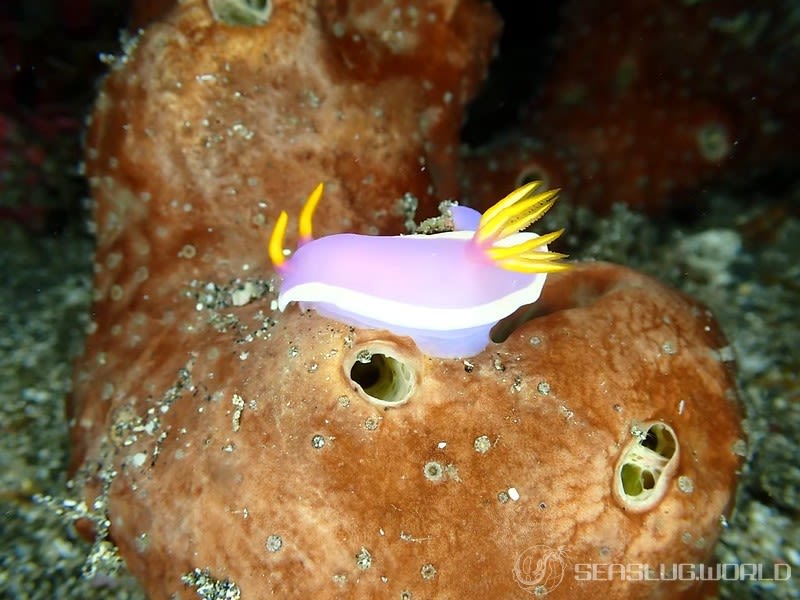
{"x": 513, "y": 493}
{"x": 274, "y": 543}
{"x": 739, "y": 448}
{"x": 726, "y": 354}
{"x": 364, "y": 559}
{"x": 441, "y": 445}
{"x": 242, "y": 296}
{"x": 482, "y": 444}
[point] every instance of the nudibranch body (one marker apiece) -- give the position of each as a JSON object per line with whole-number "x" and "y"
{"x": 445, "y": 290}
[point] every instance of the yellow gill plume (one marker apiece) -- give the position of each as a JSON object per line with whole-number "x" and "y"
{"x": 515, "y": 212}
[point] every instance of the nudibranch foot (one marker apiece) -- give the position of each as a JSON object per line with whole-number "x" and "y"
{"x": 445, "y": 290}
{"x": 472, "y": 342}
{"x": 450, "y": 343}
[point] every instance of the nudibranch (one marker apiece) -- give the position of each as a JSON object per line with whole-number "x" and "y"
{"x": 445, "y": 290}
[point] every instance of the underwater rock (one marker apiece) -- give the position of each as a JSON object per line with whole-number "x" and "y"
{"x": 235, "y": 121}
{"x": 256, "y": 453}
{"x": 203, "y": 132}
{"x": 632, "y": 151}
{"x": 649, "y": 113}
{"x": 288, "y": 454}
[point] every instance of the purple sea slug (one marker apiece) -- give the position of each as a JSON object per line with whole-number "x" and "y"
{"x": 445, "y": 290}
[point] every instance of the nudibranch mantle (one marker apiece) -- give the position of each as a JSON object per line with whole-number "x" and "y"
{"x": 445, "y": 290}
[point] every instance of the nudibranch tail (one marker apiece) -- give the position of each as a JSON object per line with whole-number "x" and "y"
{"x": 304, "y": 228}
{"x": 513, "y": 213}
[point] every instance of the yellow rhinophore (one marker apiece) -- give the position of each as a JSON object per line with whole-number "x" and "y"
{"x": 304, "y": 227}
